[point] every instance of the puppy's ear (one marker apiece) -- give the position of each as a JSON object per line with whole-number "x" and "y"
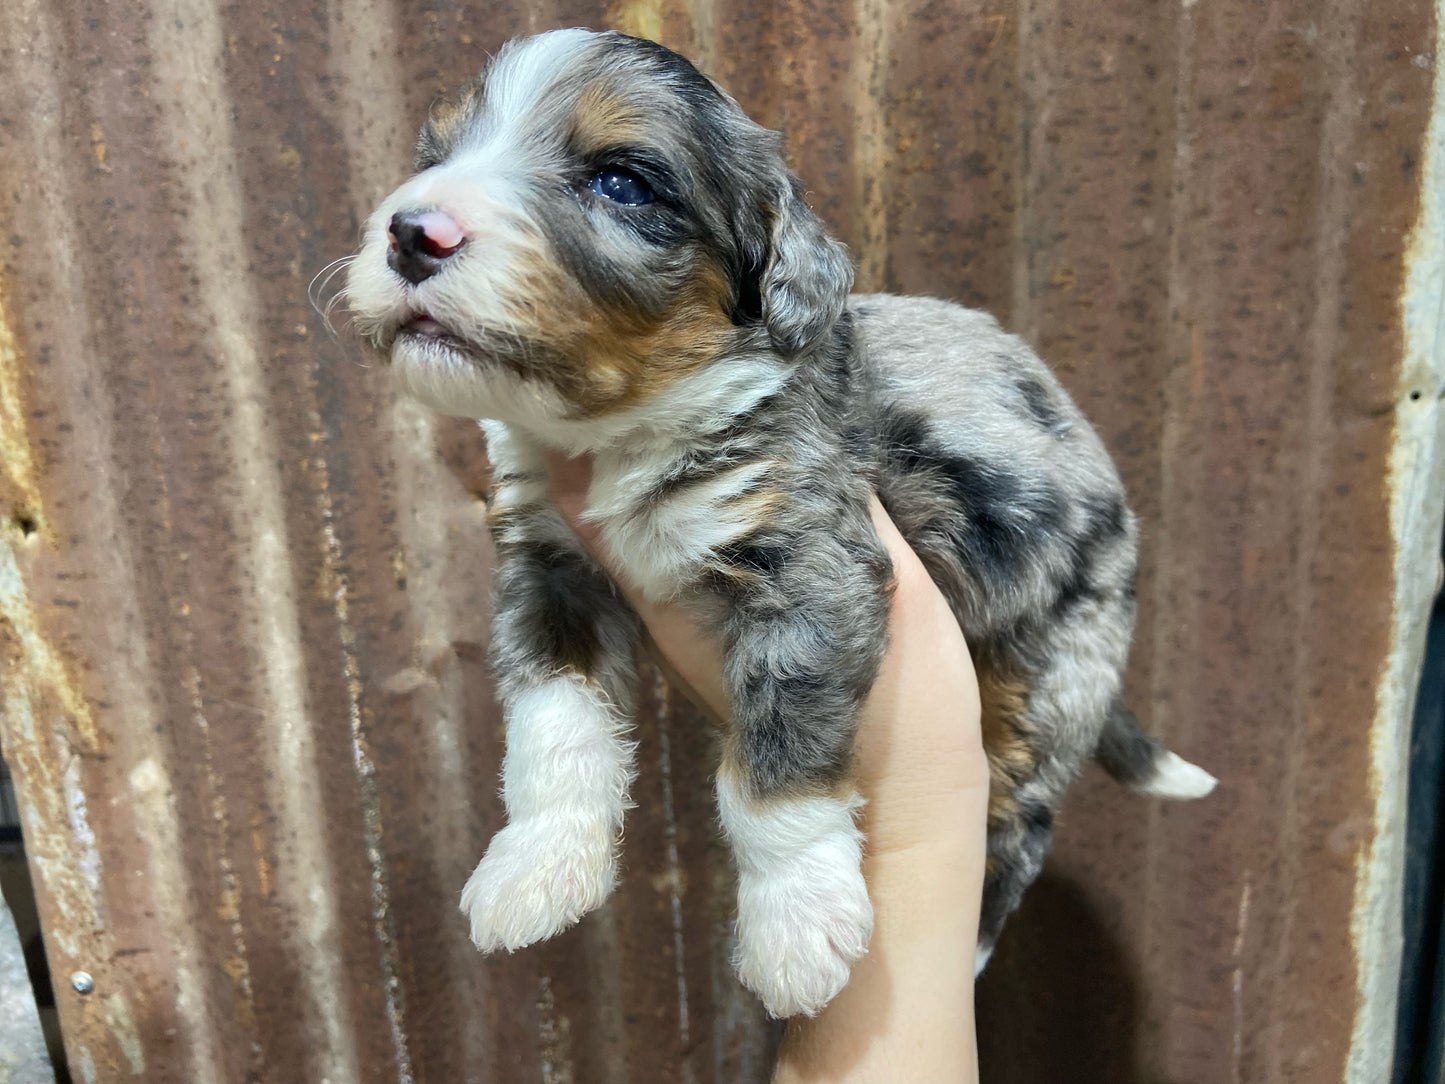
{"x": 806, "y": 275}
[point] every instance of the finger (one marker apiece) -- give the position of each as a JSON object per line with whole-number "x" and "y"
{"x": 569, "y": 477}
{"x": 704, "y": 689}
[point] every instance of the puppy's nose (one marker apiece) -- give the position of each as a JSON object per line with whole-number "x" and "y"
{"x": 421, "y": 241}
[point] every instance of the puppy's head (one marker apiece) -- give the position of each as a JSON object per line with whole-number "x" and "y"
{"x": 592, "y": 223}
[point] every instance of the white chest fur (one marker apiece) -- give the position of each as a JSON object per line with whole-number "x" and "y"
{"x": 659, "y": 544}
{"x": 662, "y": 544}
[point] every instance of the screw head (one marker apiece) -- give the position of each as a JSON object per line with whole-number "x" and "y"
{"x": 81, "y": 982}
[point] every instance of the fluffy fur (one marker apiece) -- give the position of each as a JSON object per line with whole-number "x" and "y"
{"x": 697, "y": 338}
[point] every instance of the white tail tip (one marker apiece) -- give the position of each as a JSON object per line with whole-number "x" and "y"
{"x": 1174, "y": 777}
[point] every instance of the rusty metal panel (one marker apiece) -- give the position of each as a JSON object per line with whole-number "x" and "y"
{"x": 243, "y": 591}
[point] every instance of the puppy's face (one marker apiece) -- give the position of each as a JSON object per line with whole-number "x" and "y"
{"x": 592, "y": 222}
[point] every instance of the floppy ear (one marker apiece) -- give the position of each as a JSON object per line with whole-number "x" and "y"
{"x": 806, "y": 276}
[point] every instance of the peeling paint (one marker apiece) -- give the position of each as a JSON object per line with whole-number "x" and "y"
{"x": 383, "y": 917}
{"x": 121, "y": 1026}
{"x": 1416, "y": 486}
{"x": 675, "y": 881}
{"x": 58, "y": 838}
{"x": 80, "y": 829}
{"x": 39, "y": 665}
{"x": 53, "y": 851}
{"x": 554, "y": 1035}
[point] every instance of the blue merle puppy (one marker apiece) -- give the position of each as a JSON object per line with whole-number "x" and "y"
{"x": 601, "y": 253}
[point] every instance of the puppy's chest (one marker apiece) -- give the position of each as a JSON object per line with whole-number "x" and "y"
{"x": 665, "y": 529}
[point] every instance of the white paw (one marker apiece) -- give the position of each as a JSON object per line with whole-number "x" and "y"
{"x": 799, "y": 932}
{"x": 537, "y": 878}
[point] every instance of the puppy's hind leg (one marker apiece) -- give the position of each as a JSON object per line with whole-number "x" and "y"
{"x": 1020, "y": 826}
{"x": 1046, "y": 694}
{"x": 562, "y": 647}
{"x": 1036, "y": 734}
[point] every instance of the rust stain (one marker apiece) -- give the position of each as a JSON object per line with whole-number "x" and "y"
{"x": 120, "y": 1023}
{"x": 870, "y": 124}
{"x": 996, "y": 25}
{"x": 152, "y": 797}
{"x": 97, "y": 146}
{"x": 59, "y": 841}
{"x": 17, "y": 467}
{"x": 39, "y": 666}
{"x": 263, "y": 865}
{"x": 1241, "y": 928}
{"x": 554, "y": 1035}
{"x": 640, "y": 18}
{"x": 228, "y": 899}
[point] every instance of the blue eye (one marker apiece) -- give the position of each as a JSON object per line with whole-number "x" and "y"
{"x": 621, "y": 187}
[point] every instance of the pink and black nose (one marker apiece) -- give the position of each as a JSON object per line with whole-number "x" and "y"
{"x": 421, "y": 242}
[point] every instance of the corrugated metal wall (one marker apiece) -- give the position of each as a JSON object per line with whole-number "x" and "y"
{"x": 243, "y": 592}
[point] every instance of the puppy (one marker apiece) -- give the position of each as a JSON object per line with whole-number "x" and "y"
{"x": 601, "y": 253}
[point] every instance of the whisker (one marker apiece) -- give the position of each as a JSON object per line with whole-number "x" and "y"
{"x": 311, "y": 290}
{"x": 335, "y": 299}
{"x": 318, "y": 287}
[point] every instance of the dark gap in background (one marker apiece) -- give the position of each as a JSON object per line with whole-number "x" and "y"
{"x": 19, "y": 895}
{"x": 1420, "y": 1030}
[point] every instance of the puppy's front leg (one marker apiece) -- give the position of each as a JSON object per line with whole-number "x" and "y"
{"x": 803, "y": 646}
{"x": 562, "y": 650}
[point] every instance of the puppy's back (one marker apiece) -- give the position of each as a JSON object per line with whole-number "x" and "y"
{"x": 984, "y": 389}
{"x": 988, "y": 465}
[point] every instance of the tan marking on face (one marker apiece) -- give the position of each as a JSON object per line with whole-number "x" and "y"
{"x": 598, "y": 359}
{"x": 448, "y": 117}
{"x": 1009, "y": 738}
{"x": 602, "y": 360}
{"x": 604, "y": 118}
{"x": 628, "y": 363}
{"x": 626, "y": 360}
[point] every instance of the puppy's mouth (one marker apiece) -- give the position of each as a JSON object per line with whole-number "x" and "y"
{"x": 424, "y": 339}
{"x": 424, "y": 329}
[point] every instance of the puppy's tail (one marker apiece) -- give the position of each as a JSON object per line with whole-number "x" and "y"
{"x": 1142, "y": 763}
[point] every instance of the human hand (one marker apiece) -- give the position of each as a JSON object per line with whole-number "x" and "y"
{"x": 907, "y": 1011}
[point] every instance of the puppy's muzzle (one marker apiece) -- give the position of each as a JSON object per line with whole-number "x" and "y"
{"x": 420, "y": 243}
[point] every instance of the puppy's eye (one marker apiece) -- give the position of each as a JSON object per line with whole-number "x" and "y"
{"x": 621, "y": 187}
